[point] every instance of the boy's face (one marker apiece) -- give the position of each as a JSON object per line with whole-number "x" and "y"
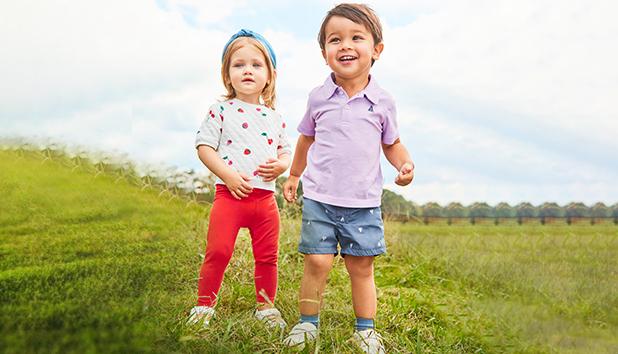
{"x": 349, "y": 48}
{"x": 248, "y": 73}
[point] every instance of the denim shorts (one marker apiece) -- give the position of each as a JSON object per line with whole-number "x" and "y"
{"x": 330, "y": 229}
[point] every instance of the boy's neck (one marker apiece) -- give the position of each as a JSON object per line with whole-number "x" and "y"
{"x": 352, "y": 86}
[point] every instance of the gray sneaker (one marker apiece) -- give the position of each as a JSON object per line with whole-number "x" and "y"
{"x": 369, "y": 341}
{"x": 200, "y": 315}
{"x": 271, "y": 317}
{"x": 300, "y": 334}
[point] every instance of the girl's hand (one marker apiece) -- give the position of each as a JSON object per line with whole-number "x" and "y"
{"x": 270, "y": 170}
{"x": 406, "y": 174}
{"x": 289, "y": 189}
{"x": 238, "y": 185}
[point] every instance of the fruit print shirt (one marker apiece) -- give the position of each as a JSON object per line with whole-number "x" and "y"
{"x": 244, "y": 135}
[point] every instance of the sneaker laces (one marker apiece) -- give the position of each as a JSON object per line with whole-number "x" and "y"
{"x": 271, "y": 316}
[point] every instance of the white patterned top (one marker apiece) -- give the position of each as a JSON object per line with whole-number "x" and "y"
{"x": 244, "y": 135}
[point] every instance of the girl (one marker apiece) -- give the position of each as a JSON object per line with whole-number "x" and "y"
{"x": 242, "y": 141}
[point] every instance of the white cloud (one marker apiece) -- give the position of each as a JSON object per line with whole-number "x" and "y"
{"x": 207, "y": 12}
{"x": 71, "y": 55}
{"x": 551, "y": 62}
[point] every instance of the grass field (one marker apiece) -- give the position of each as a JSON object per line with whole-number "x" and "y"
{"x": 95, "y": 264}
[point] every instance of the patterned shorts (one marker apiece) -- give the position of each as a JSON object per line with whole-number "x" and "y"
{"x": 329, "y": 229}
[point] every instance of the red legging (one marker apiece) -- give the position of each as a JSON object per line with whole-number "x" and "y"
{"x": 259, "y": 213}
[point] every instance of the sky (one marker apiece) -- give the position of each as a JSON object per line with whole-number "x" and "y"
{"x": 497, "y": 101}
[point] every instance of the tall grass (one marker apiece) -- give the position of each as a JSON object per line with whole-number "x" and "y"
{"x": 91, "y": 261}
{"x": 548, "y": 288}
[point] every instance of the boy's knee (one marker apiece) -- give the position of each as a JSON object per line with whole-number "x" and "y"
{"x": 318, "y": 264}
{"x": 359, "y": 267}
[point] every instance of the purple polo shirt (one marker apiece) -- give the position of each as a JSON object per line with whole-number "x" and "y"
{"x": 343, "y": 163}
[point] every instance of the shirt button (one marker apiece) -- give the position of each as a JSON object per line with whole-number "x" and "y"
{"x": 347, "y": 106}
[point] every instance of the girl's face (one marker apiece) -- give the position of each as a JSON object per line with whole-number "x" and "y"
{"x": 349, "y": 48}
{"x": 248, "y": 73}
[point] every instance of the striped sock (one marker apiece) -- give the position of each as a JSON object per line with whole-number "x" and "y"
{"x": 311, "y": 319}
{"x": 363, "y": 324}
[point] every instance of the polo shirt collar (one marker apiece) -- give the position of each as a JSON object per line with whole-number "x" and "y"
{"x": 371, "y": 91}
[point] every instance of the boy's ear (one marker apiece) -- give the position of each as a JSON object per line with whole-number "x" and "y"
{"x": 324, "y": 54}
{"x": 377, "y": 50}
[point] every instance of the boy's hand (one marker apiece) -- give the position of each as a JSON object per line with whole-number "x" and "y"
{"x": 270, "y": 170}
{"x": 289, "y": 189}
{"x": 406, "y": 174}
{"x": 238, "y": 185}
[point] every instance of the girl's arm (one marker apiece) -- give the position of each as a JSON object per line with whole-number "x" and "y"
{"x": 237, "y": 183}
{"x": 398, "y": 156}
{"x": 298, "y": 167}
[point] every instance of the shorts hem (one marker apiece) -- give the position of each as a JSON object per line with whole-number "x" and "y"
{"x": 319, "y": 250}
{"x": 359, "y": 252}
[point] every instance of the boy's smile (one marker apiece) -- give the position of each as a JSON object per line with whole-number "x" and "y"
{"x": 349, "y": 50}
{"x": 345, "y": 59}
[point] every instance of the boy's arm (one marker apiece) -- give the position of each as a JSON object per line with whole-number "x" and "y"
{"x": 237, "y": 183}
{"x": 397, "y": 154}
{"x": 298, "y": 166}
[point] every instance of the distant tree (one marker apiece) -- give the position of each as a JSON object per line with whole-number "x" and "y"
{"x": 455, "y": 210}
{"x": 576, "y": 210}
{"x": 504, "y": 210}
{"x": 550, "y": 210}
{"x": 526, "y": 211}
{"x": 432, "y": 210}
{"x": 397, "y": 206}
{"x": 600, "y": 211}
{"x": 614, "y": 209}
{"x": 480, "y": 210}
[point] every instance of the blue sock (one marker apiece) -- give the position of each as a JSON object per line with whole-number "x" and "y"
{"x": 311, "y": 319}
{"x": 363, "y": 324}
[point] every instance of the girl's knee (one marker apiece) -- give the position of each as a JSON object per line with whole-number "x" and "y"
{"x": 269, "y": 259}
{"x": 218, "y": 255}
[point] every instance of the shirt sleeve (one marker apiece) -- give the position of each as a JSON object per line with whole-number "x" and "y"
{"x": 390, "y": 131}
{"x": 211, "y": 129}
{"x": 283, "y": 144}
{"x": 307, "y": 124}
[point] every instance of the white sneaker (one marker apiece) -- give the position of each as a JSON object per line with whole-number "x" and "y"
{"x": 300, "y": 334}
{"x": 201, "y": 315}
{"x": 369, "y": 341}
{"x": 271, "y": 317}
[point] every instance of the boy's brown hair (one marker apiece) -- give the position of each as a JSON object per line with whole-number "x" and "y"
{"x": 357, "y": 13}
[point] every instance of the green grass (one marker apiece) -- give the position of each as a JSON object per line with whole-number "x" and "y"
{"x": 546, "y": 289}
{"x": 96, "y": 264}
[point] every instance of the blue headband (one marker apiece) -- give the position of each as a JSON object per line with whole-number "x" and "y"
{"x": 258, "y": 37}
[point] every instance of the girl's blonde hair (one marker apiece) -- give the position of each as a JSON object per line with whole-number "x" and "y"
{"x": 268, "y": 93}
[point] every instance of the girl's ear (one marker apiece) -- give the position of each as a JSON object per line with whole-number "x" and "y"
{"x": 377, "y": 50}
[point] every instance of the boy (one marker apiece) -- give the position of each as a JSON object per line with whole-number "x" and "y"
{"x": 348, "y": 120}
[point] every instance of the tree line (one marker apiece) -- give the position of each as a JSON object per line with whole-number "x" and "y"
{"x": 396, "y": 207}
